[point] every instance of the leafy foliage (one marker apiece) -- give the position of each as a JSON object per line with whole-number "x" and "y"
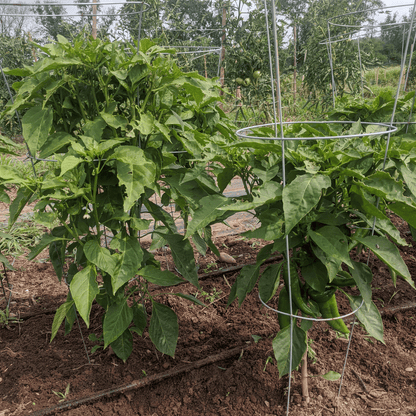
{"x": 335, "y": 189}
{"x": 123, "y": 126}
{"x": 14, "y": 52}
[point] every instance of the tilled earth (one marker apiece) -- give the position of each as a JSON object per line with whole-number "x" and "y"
{"x": 243, "y": 379}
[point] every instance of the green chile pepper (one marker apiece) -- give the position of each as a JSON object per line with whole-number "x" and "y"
{"x": 343, "y": 279}
{"x": 329, "y": 309}
{"x": 321, "y": 297}
{"x": 284, "y": 306}
{"x": 295, "y": 289}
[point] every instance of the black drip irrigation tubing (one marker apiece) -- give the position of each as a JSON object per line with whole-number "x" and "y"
{"x": 70, "y": 404}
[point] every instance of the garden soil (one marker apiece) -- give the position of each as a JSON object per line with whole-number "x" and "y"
{"x": 224, "y": 363}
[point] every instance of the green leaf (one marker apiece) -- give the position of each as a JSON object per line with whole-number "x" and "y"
{"x": 404, "y": 211}
{"x": 139, "y": 318}
{"x": 95, "y": 128}
{"x": 10, "y": 174}
{"x": 100, "y": 256}
{"x": 84, "y": 288}
{"x": 163, "y": 328}
{"x": 123, "y": 345}
{"x": 183, "y": 256}
{"x": 47, "y": 219}
{"x": 333, "y": 243}
{"x": 206, "y": 213}
{"x": 301, "y": 195}
{"x": 128, "y": 261}
{"x": 116, "y": 320}
{"x": 60, "y": 314}
{"x": 159, "y": 277}
{"x": 359, "y": 201}
{"x": 383, "y": 185}
{"x": 69, "y": 163}
{"x": 46, "y": 240}
{"x": 135, "y": 172}
{"x": 36, "y": 124}
{"x": 57, "y": 257}
{"x": 270, "y": 229}
{"x": 266, "y": 194}
{"x": 146, "y": 123}
{"x": 160, "y": 214}
{"x": 315, "y": 275}
{"x": 281, "y": 348}
{"x": 22, "y": 198}
{"x": 332, "y": 265}
{"x": 245, "y": 282}
{"x": 269, "y": 281}
{"x": 117, "y": 122}
{"x": 388, "y": 253}
{"x": 200, "y": 244}
{"x": 54, "y": 143}
{"x": 140, "y": 224}
{"x": 191, "y": 298}
{"x": 331, "y": 376}
{"x": 363, "y": 276}
{"x": 225, "y": 177}
{"x": 196, "y": 92}
{"x": 371, "y": 318}
{"x": 409, "y": 176}
{"x": 6, "y": 262}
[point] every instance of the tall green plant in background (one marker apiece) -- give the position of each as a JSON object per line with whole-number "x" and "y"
{"x": 122, "y": 126}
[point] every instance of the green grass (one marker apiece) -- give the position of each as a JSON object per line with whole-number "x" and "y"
{"x": 22, "y": 236}
{"x": 387, "y": 77}
{"x": 24, "y": 165}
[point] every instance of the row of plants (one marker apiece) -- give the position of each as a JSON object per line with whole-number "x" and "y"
{"x": 122, "y": 126}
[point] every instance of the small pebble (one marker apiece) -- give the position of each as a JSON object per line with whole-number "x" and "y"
{"x": 267, "y": 403}
{"x": 409, "y": 369}
{"x": 166, "y": 366}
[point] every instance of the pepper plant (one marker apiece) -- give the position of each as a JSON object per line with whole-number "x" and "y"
{"x": 336, "y": 191}
{"x": 120, "y": 126}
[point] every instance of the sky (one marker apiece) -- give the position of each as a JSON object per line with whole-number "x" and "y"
{"x": 400, "y": 10}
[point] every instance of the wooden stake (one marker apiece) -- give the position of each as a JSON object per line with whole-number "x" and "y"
{"x": 222, "y": 73}
{"x": 94, "y": 19}
{"x": 305, "y": 389}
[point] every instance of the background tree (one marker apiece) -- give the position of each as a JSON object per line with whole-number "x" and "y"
{"x": 56, "y": 20}
{"x": 313, "y": 34}
{"x": 170, "y": 21}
